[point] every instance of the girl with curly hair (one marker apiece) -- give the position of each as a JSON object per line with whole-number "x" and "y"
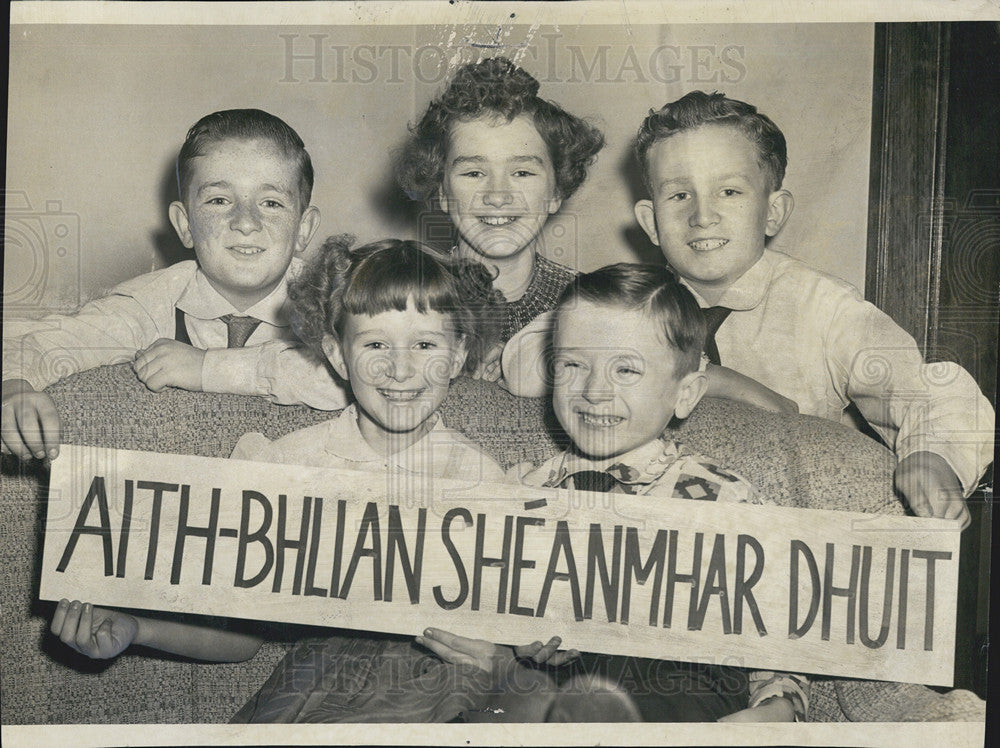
{"x": 499, "y": 160}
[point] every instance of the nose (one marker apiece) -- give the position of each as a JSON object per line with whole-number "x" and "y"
{"x": 596, "y": 387}
{"x": 246, "y": 218}
{"x": 400, "y": 365}
{"x": 703, "y": 213}
{"x": 498, "y": 194}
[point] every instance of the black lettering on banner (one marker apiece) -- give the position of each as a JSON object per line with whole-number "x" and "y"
{"x": 904, "y": 586}
{"x": 283, "y": 544}
{"x": 930, "y": 557}
{"x": 520, "y": 563}
{"x": 456, "y": 559}
{"x": 694, "y": 578}
{"x": 158, "y": 490}
{"x": 562, "y": 547}
{"x": 338, "y": 548}
{"x": 715, "y": 584}
{"x": 369, "y": 526}
{"x": 597, "y": 562}
{"x": 797, "y": 549}
{"x": 890, "y": 570}
{"x": 411, "y": 574}
{"x": 123, "y": 533}
{"x": 97, "y": 493}
{"x": 502, "y": 562}
{"x": 743, "y": 590}
{"x": 258, "y": 536}
{"x": 183, "y": 530}
{"x": 641, "y": 571}
{"x": 850, "y": 592}
{"x": 310, "y": 589}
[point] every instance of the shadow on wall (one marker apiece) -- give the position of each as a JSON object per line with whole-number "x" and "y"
{"x": 632, "y": 233}
{"x": 168, "y": 247}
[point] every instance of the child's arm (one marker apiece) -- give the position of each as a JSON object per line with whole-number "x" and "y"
{"x": 775, "y": 697}
{"x": 29, "y": 422}
{"x": 101, "y": 633}
{"x": 490, "y": 657}
{"x": 724, "y": 382}
{"x": 917, "y": 408}
{"x": 278, "y": 370}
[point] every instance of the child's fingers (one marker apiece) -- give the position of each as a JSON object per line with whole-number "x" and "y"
{"x": 105, "y": 640}
{"x": 561, "y": 658}
{"x": 84, "y": 631}
{"x": 70, "y": 624}
{"x": 59, "y": 617}
{"x": 51, "y": 425}
{"x": 528, "y": 651}
{"x": 546, "y": 652}
{"x": 446, "y": 653}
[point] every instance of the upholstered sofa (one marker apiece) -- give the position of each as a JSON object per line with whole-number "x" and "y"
{"x": 796, "y": 460}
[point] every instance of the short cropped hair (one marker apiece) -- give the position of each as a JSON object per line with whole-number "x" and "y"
{"x": 382, "y": 276}
{"x": 495, "y": 88}
{"x": 654, "y": 290}
{"x": 698, "y": 108}
{"x": 244, "y": 124}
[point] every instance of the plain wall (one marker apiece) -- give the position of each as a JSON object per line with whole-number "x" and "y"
{"x": 97, "y": 113}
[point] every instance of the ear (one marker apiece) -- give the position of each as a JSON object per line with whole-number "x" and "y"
{"x": 689, "y": 393}
{"x": 179, "y": 220}
{"x": 780, "y": 205}
{"x": 442, "y": 199}
{"x": 334, "y": 354}
{"x": 646, "y": 217}
{"x": 308, "y": 224}
{"x": 458, "y": 355}
{"x": 555, "y": 203}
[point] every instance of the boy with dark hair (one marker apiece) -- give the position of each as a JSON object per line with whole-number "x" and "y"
{"x": 627, "y": 347}
{"x": 217, "y": 324}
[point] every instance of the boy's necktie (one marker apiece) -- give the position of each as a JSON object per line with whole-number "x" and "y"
{"x": 239, "y": 329}
{"x": 592, "y": 480}
{"x": 714, "y": 316}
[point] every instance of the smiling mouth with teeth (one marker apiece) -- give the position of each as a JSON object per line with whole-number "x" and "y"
{"x": 707, "y": 245}
{"x": 400, "y": 396}
{"x": 497, "y": 220}
{"x": 246, "y": 250}
{"x": 592, "y": 419}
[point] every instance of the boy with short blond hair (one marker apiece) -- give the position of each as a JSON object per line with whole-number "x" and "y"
{"x": 217, "y": 324}
{"x": 714, "y": 168}
{"x": 626, "y": 357}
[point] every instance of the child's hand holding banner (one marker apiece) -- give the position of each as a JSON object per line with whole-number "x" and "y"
{"x": 801, "y": 590}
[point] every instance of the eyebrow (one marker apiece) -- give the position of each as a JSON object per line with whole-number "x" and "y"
{"x": 512, "y": 160}
{"x": 720, "y": 178}
{"x": 222, "y": 184}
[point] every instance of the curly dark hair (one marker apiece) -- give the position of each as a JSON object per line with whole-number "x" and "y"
{"x": 383, "y": 276}
{"x": 495, "y": 87}
{"x": 655, "y": 290}
{"x": 698, "y": 108}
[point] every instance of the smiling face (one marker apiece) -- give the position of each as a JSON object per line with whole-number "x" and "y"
{"x": 609, "y": 398}
{"x": 399, "y": 364}
{"x": 499, "y": 186}
{"x": 243, "y": 218}
{"x": 711, "y": 207}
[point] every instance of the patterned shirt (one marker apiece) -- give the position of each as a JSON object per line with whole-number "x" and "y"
{"x": 663, "y": 468}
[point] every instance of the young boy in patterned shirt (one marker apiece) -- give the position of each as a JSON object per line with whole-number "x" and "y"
{"x": 626, "y": 355}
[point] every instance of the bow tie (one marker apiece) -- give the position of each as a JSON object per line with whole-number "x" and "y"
{"x": 591, "y": 480}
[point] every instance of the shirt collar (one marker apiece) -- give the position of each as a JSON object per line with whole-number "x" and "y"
{"x": 200, "y": 299}
{"x": 749, "y": 290}
{"x": 345, "y": 442}
{"x": 642, "y": 465}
